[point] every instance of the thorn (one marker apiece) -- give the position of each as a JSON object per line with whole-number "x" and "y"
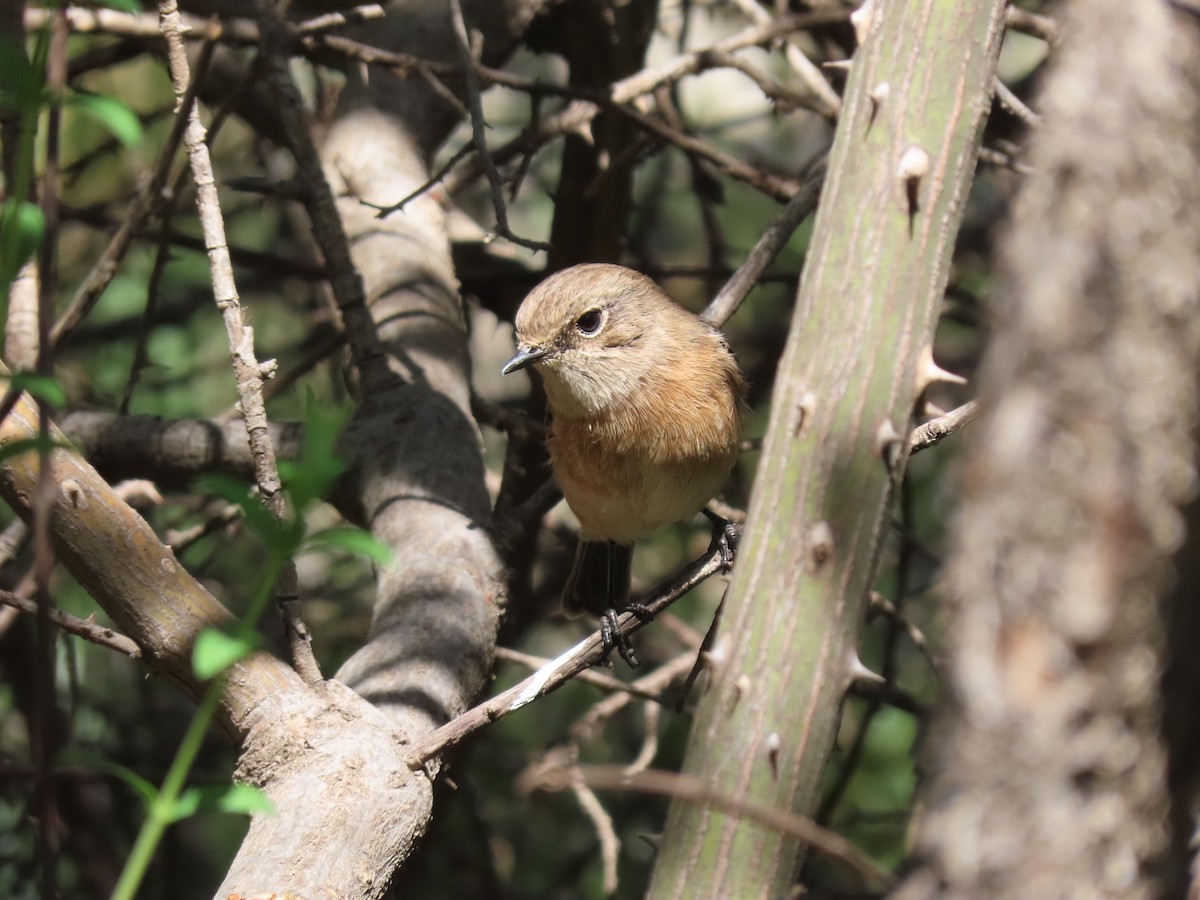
{"x": 741, "y": 687}
{"x": 804, "y": 409}
{"x": 717, "y": 655}
{"x": 861, "y": 19}
{"x": 888, "y": 444}
{"x": 820, "y": 546}
{"x": 878, "y": 95}
{"x": 932, "y": 411}
{"x": 913, "y": 166}
{"x": 585, "y": 131}
{"x": 859, "y": 671}
{"x": 653, "y": 840}
{"x": 929, "y": 372}
{"x": 773, "y": 745}
{"x": 886, "y": 437}
{"x": 841, "y": 65}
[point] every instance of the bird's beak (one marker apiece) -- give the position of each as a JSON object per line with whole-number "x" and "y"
{"x": 525, "y": 356}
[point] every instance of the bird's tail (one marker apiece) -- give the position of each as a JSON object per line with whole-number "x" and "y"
{"x": 599, "y": 579}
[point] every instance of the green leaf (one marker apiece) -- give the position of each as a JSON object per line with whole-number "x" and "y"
{"x": 143, "y": 788}
{"x": 22, "y": 228}
{"x": 352, "y": 540}
{"x": 282, "y": 538}
{"x": 20, "y": 81}
{"x": 215, "y": 651}
{"x": 31, "y": 445}
{"x": 310, "y": 477}
{"x": 44, "y": 387}
{"x": 121, "y": 121}
{"x": 226, "y": 798}
{"x": 126, "y": 6}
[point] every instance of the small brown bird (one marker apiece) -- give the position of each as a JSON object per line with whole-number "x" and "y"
{"x": 645, "y": 403}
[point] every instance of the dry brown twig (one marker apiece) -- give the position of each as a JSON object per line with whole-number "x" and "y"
{"x": 936, "y": 430}
{"x": 685, "y": 787}
{"x": 478, "y": 130}
{"x": 249, "y": 373}
{"x": 578, "y": 114}
{"x": 778, "y": 233}
{"x": 84, "y": 628}
{"x": 558, "y": 672}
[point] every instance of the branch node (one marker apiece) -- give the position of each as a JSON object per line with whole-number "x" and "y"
{"x": 804, "y": 409}
{"x": 820, "y": 546}
{"x": 913, "y": 166}
{"x": 74, "y": 493}
{"x": 741, "y": 687}
{"x": 888, "y": 443}
{"x": 773, "y": 746}
{"x": 878, "y": 95}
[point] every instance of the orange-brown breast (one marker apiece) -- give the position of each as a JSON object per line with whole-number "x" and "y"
{"x": 656, "y": 458}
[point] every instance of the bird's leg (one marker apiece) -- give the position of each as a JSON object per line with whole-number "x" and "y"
{"x": 726, "y": 536}
{"x": 610, "y": 630}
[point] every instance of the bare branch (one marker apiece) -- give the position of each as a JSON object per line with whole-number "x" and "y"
{"x": 248, "y": 372}
{"x": 84, "y": 628}
{"x": 936, "y": 430}
{"x": 586, "y": 653}
{"x": 693, "y": 790}
{"x": 778, "y": 233}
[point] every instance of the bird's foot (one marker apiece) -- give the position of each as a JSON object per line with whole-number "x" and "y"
{"x": 726, "y": 537}
{"x": 612, "y": 637}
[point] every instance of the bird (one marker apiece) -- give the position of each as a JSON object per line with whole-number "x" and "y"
{"x": 645, "y": 403}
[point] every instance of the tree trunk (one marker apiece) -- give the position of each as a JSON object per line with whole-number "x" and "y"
{"x": 855, "y": 364}
{"x": 1049, "y": 765}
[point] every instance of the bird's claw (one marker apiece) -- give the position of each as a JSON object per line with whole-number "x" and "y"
{"x": 726, "y": 537}
{"x": 611, "y": 636}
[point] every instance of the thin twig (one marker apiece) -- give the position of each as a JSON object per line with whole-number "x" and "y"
{"x": 652, "y": 712}
{"x": 778, "y": 233}
{"x": 478, "y": 133}
{"x": 578, "y": 114}
{"x": 248, "y": 372}
{"x": 808, "y": 72}
{"x": 587, "y": 676}
{"x": 147, "y": 197}
{"x": 180, "y": 540}
{"x": 1015, "y": 105}
{"x": 1031, "y": 23}
{"x": 693, "y": 790}
{"x": 936, "y": 430}
{"x": 583, "y": 655}
{"x": 84, "y": 628}
{"x": 344, "y": 278}
{"x": 44, "y": 735}
{"x": 331, "y": 20}
{"x": 881, "y": 605}
{"x": 610, "y": 844}
{"x": 656, "y": 682}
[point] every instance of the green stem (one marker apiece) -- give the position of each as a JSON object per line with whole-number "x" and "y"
{"x": 162, "y": 809}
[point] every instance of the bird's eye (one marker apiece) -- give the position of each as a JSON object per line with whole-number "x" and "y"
{"x": 589, "y": 323}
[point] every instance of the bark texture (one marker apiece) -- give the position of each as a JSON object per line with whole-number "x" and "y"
{"x": 349, "y": 808}
{"x": 1049, "y": 771}
{"x": 902, "y": 160}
